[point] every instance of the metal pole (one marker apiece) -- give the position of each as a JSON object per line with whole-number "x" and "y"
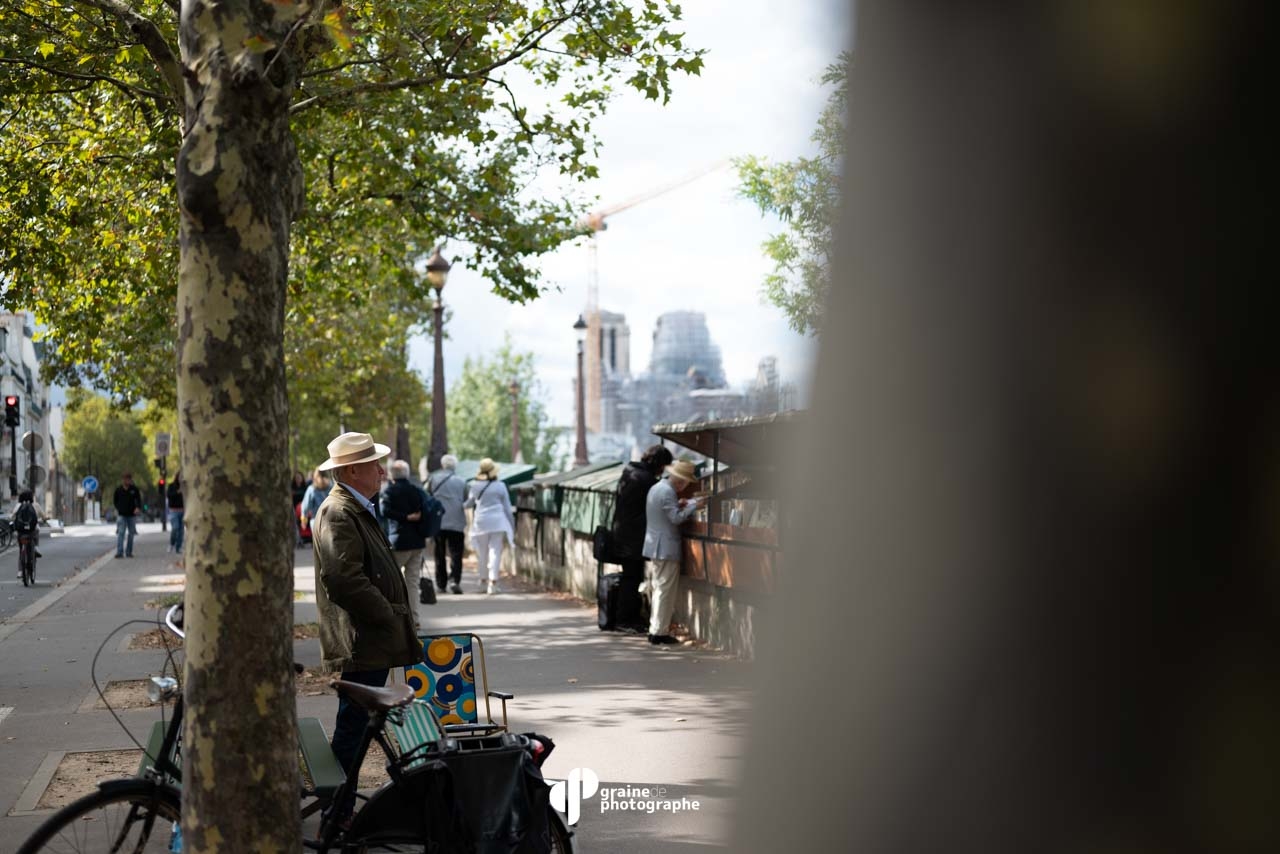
{"x": 580, "y": 451}
{"x": 515, "y": 427}
{"x": 13, "y": 461}
{"x": 439, "y": 429}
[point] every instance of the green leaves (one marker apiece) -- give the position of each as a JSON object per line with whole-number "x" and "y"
{"x": 407, "y": 122}
{"x": 480, "y": 409}
{"x": 805, "y": 194}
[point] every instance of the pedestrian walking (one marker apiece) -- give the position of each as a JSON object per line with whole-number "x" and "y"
{"x": 628, "y": 529}
{"x": 366, "y": 619}
{"x": 492, "y": 524}
{"x": 176, "y": 508}
{"x": 128, "y": 503}
{"x": 449, "y": 489}
{"x": 665, "y": 511}
{"x": 315, "y": 495}
{"x": 401, "y": 504}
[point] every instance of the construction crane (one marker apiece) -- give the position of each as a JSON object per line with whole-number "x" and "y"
{"x": 594, "y": 223}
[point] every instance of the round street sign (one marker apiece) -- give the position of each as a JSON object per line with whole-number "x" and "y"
{"x": 90, "y": 484}
{"x": 32, "y": 442}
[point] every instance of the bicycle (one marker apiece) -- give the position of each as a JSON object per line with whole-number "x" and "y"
{"x": 6, "y": 533}
{"x": 124, "y": 815}
{"x": 27, "y": 557}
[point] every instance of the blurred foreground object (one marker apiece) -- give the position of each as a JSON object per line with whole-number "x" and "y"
{"x": 1048, "y": 613}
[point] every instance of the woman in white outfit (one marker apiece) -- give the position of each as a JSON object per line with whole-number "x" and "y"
{"x": 493, "y": 523}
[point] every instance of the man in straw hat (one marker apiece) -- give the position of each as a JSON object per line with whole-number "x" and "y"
{"x": 664, "y": 511}
{"x": 366, "y": 617}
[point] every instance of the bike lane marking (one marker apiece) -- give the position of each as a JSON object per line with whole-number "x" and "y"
{"x": 36, "y": 608}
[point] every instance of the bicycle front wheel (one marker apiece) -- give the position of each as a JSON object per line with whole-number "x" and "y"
{"x": 124, "y": 815}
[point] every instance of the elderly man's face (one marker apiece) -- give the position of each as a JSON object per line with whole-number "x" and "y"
{"x": 366, "y": 478}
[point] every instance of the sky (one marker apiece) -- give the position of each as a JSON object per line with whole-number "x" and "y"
{"x": 695, "y": 248}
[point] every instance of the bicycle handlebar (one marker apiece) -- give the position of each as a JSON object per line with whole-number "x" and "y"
{"x": 175, "y": 625}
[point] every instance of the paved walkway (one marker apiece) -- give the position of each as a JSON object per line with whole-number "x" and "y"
{"x": 637, "y": 715}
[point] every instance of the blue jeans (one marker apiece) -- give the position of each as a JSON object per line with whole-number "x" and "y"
{"x": 176, "y": 530}
{"x": 125, "y": 524}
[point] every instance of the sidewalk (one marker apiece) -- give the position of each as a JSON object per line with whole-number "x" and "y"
{"x": 636, "y": 715}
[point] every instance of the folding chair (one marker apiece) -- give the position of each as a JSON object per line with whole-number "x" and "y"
{"x": 414, "y": 728}
{"x": 446, "y": 678}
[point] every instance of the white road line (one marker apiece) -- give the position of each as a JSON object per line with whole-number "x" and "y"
{"x": 27, "y": 614}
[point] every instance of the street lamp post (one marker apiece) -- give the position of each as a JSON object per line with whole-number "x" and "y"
{"x": 580, "y": 449}
{"x": 437, "y": 273}
{"x": 514, "y": 391}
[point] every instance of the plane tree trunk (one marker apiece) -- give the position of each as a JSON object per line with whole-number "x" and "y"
{"x": 239, "y": 187}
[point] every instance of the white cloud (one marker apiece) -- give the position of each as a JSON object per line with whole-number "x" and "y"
{"x": 697, "y": 247}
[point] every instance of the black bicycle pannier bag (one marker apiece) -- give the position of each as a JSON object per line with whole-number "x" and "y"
{"x": 505, "y": 802}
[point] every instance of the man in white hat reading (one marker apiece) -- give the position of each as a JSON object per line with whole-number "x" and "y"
{"x": 366, "y": 618}
{"x": 664, "y": 511}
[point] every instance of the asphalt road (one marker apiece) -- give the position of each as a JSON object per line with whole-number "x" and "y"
{"x": 64, "y": 554}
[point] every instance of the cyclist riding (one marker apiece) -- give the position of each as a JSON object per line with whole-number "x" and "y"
{"x": 27, "y": 518}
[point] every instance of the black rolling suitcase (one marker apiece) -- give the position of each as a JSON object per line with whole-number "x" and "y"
{"x": 607, "y": 595}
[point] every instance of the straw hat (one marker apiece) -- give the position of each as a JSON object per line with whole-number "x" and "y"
{"x": 488, "y": 470}
{"x": 682, "y": 470}
{"x": 351, "y": 448}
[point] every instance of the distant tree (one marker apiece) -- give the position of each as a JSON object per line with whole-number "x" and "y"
{"x": 103, "y": 441}
{"x": 479, "y": 409}
{"x": 805, "y": 194}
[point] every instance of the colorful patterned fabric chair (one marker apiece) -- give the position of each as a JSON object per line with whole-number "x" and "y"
{"x": 446, "y": 679}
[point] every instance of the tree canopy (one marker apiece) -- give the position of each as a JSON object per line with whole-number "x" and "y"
{"x": 414, "y": 122}
{"x": 101, "y": 440}
{"x": 805, "y": 194}
{"x": 479, "y": 409}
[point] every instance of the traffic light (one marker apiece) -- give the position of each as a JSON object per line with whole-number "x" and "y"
{"x": 12, "y": 413}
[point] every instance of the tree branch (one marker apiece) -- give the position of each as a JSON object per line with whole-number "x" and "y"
{"x": 128, "y": 89}
{"x": 528, "y": 42}
{"x": 153, "y": 40}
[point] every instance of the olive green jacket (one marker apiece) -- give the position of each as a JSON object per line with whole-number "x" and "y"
{"x": 365, "y": 618}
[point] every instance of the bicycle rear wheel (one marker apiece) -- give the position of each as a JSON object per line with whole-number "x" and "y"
{"x": 561, "y": 835}
{"x": 124, "y": 815}
{"x": 27, "y": 562}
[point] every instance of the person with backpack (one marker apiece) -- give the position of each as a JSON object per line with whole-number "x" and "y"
{"x": 446, "y": 487}
{"x": 401, "y": 504}
{"x": 26, "y": 519}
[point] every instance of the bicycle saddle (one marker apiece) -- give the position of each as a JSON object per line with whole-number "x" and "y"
{"x": 374, "y": 699}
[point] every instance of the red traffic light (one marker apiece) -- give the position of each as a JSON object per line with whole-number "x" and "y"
{"x": 11, "y": 400}
{"x": 162, "y": 481}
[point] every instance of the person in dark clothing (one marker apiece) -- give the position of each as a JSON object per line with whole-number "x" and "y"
{"x": 400, "y": 504}
{"x": 128, "y": 502}
{"x": 628, "y": 530}
{"x": 177, "y": 508}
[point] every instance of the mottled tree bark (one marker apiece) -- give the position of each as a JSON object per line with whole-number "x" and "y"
{"x": 239, "y": 187}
